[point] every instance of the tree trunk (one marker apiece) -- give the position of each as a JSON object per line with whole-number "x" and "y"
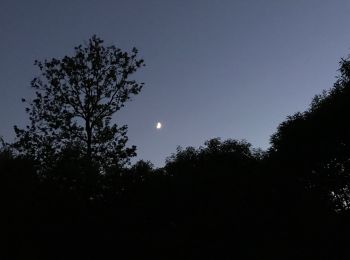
{"x": 89, "y": 140}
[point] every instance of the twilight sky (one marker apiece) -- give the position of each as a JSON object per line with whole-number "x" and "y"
{"x": 228, "y": 68}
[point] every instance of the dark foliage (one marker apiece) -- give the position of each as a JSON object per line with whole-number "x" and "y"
{"x": 224, "y": 200}
{"x": 76, "y": 98}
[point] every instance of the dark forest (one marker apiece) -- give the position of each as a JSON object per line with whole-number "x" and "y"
{"x": 70, "y": 191}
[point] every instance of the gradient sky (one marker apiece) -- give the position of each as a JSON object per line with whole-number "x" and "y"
{"x": 229, "y": 69}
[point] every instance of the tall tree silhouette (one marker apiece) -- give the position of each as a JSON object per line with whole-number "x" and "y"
{"x": 76, "y": 97}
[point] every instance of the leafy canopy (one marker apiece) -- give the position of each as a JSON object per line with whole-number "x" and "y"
{"x": 75, "y": 99}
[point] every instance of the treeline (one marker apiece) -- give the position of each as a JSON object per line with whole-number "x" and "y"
{"x": 224, "y": 200}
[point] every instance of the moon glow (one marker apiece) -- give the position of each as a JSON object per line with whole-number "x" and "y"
{"x": 159, "y": 125}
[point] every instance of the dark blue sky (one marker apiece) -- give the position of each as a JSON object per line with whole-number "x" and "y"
{"x": 230, "y": 69}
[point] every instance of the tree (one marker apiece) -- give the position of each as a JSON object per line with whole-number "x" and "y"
{"x": 313, "y": 147}
{"x": 75, "y": 99}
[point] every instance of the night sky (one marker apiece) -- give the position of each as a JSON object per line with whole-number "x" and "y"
{"x": 229, "y": 69}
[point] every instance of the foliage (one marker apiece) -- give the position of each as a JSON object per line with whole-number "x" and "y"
{"x": 76, "y": 98}
{"x": 223, "y": 200}
{"x": 314, "y": 146}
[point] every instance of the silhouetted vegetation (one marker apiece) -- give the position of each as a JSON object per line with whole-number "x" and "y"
{"x": 76, "y": 98}
{"x": 69, "y": 192}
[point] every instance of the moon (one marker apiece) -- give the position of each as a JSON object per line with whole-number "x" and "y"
{"x": 159, "y": 125}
